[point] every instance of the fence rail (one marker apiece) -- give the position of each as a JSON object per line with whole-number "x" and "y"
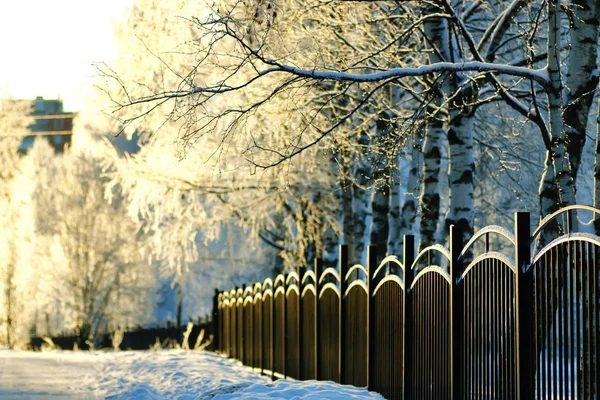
{"x": 468, "y": 322}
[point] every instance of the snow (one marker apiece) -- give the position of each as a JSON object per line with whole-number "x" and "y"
{"x": 165, "y": 374}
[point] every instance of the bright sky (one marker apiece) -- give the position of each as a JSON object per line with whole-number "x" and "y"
{"x": 46, "y": 46}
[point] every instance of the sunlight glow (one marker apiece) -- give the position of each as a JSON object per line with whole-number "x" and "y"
{"x": 47, "y": 47}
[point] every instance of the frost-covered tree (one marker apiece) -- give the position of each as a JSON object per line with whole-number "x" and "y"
{"x": 14, "y": 217}
{"x": 98, "y": 271}
{"x": 334, "y": 64}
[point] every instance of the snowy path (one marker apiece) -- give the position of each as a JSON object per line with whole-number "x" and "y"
{"x": 149, "y": 375}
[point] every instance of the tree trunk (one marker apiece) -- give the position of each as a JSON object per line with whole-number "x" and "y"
{"x": 395, "y": 234}
{"x": 560, "y": 156}
{"x": 462, "y": 167}
{"x": 361, "y": 204}
{"x": 380, "y": 205}
{"x": 581, "y": 78}
{"x": 430, "y": 198}
{"x": 179, "y": 302}
{"x": 410, "y": 206}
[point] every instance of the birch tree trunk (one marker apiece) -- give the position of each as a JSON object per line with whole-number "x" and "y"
{"x": 380, "y": 205}
{"x": 410, "y": 206}
{"x": 560, "y": 156}
{"x": 581, "y": 78}
{"x": 437, "y": 32}
{"x": 394, "y": 213}
{"x": 462, "y": 167}
{"x": 340, "y": 162}
{"x": 361, "y": 198}
{"x": 430, "y": 198}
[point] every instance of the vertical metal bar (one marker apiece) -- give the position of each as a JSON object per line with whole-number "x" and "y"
{"x": 371, "y": 266}
{"x": 343, "y": 269}
{"x": 409, "y": 257}
{"x": 572, "y": 304}
{"x": 318, "y": 268}
{"x": 524, "y": 304}
{"x": 301, "y": 350}
{"x": 215, "y": 320}
{"x": 456, "y": 301}
{"x": 595, "y": 327}
{"x": 588, "y": 329}
{"x": 554, "y": 327}
{"x": 544, "y": 324}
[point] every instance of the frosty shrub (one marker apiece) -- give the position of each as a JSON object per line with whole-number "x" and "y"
{"x": 48, "y": 345}
{"x": 117, "y": 339}
{"x": 185, "y": 345}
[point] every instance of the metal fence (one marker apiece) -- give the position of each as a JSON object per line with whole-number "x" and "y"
{"x": 492, "y": 319}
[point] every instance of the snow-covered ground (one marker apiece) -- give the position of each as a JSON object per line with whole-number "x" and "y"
{"x": 167, "y": 374}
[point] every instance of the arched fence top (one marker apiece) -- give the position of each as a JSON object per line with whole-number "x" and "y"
{"x": 279, "y": 289}
{"x": 579, "y": 236}
{"x": 487, "y": 230}
{"x": 555, "y": 214}
{"x": 290, "y": 276}
{"x": 268, "y": 282}
{"x": 356, "y": 283}
{"x": 309, "y": 274}
{"x": 290, "y": 288}
{"x": 249, "y": 300}
{"x": 239, "y": 292}
{"x": 310, "y": 287}
{"x": 248, "y": 291}
{"x": 279, "y": 280}
{"x": 490, "y": 255}
{"x": 329, "y": 271}
{"x": 432, "y": 269}
{"x": 385, "y": 263}
{"x": 356, "y": 267}
{"x": 426, "y": 251}
{"x": 389, "y": 278}
{"x": 257, "y": 288}
{"x": 329, "y": 286}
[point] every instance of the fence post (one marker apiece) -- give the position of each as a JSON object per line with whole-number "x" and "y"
{"x": 284, "y": 319}
{"x": 371, "y": 267}
{"x": 272, "y": 328}
{"x": 301, "y": 272}
{"x": 343, "y": 269}
{"x": 409, "y": 257}
{"x": 241, "y": 330}
{"x": 456, "y": 309}
{"x": 318, "y": 269}
{"x": 524, "y": 303}
{"x": 215, "y": 321}
{"x": 233, "y": 333}
{"x": 261, "y": 339}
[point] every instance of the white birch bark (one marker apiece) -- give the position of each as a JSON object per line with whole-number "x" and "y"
{"x": 581, "y": 77}
{"x": 361, "y": 201}
{"x": 558, "y": 156}
{"x": 430, "y": 197}
{"x": 361, "y": 204}
{"x": 394, "y": 213}
{"x": 410, "y": 205}
{"x": 462, "y": 167}
{"x": 380, "y": 207}
{"x": 437, "y": 32}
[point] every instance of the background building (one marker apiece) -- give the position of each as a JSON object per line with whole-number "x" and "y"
{"x": 51, "y": 122}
